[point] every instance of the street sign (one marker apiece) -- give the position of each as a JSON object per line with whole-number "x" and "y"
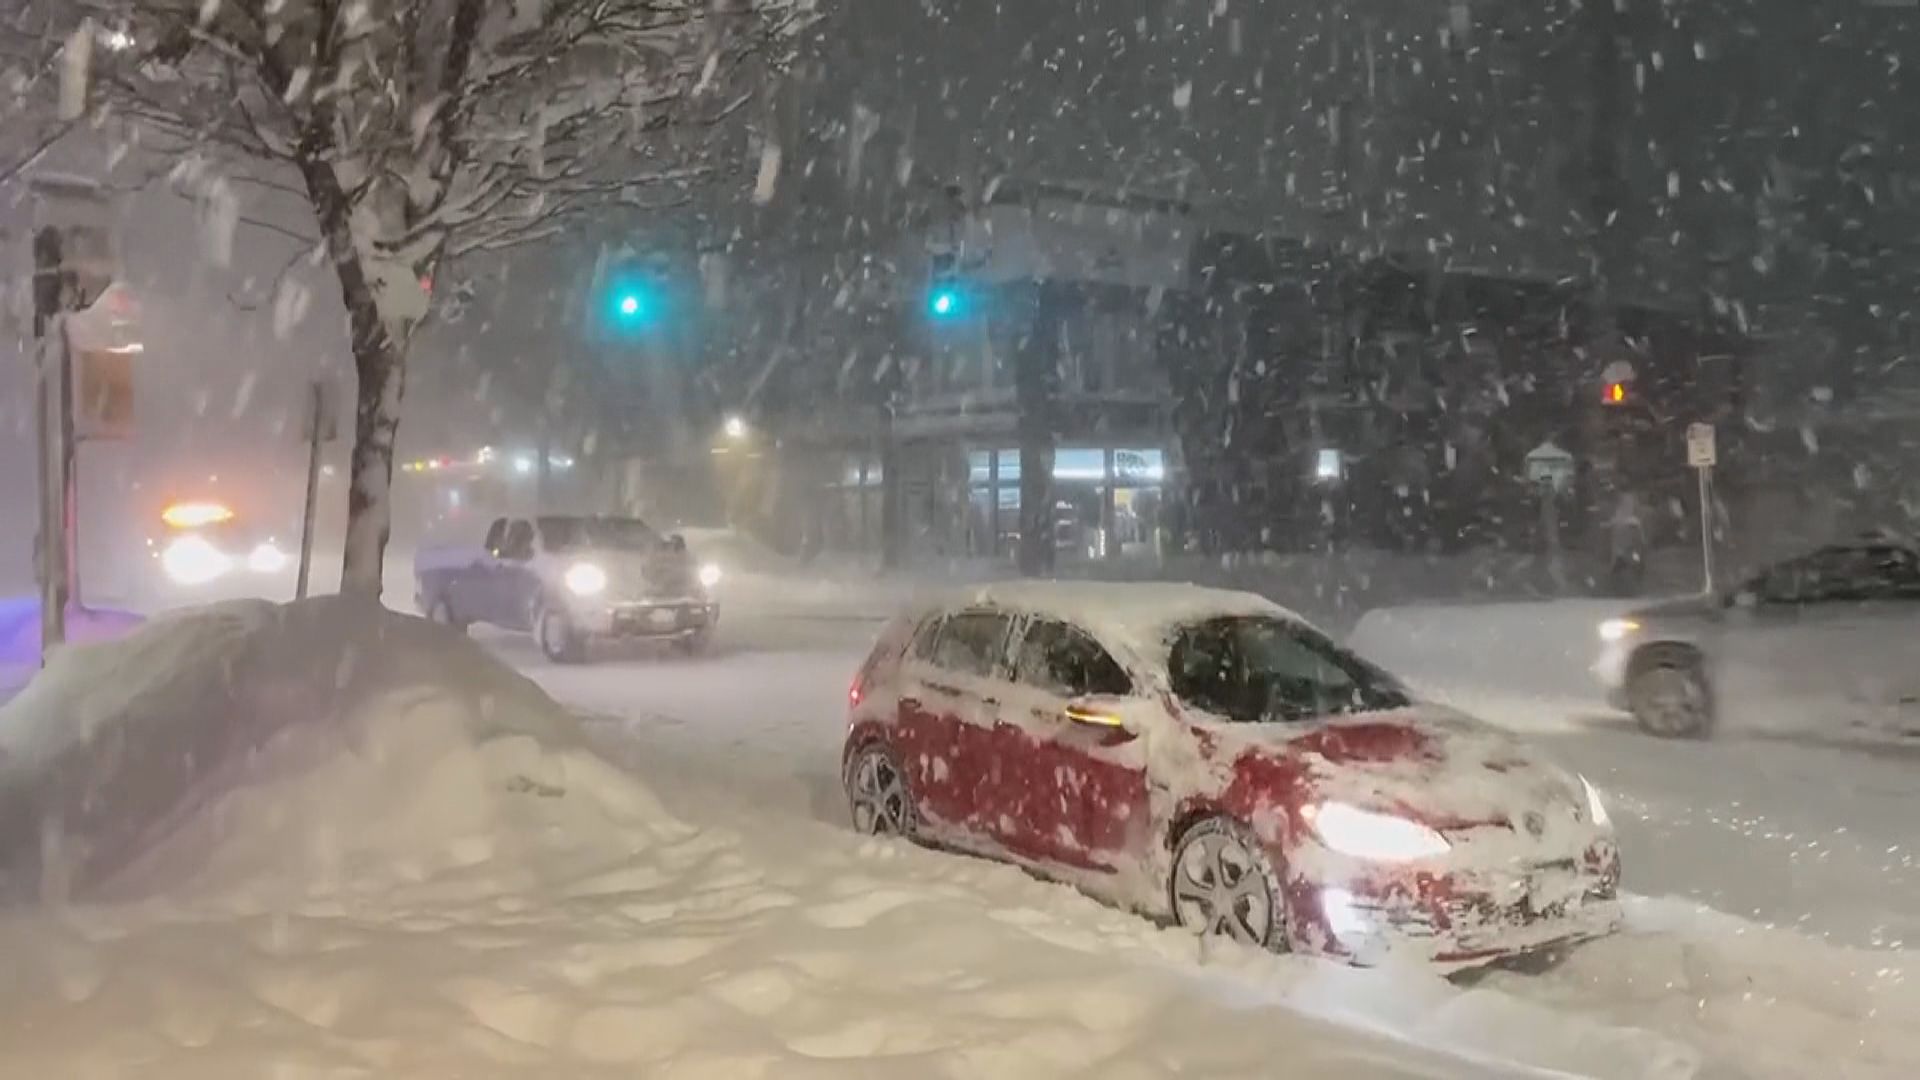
{"x": 1550, "y": 465}
{"x": 1701, "y": 452}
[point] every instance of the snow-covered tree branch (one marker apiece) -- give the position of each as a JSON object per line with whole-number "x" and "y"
{"x": 420, "y": 130}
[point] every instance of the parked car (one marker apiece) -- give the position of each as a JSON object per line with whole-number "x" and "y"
{"x": 571, "y": 581}
{"x": 1209, "y": 759}
{"x": 1833, "y": 634}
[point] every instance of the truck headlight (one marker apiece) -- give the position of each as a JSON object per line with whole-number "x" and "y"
{"x": 710, "y": 575}
{"x": 192, "y": 560}
{"x": 1618, "y": 629}
{"x": 1365, "y": 834}
{"x": 586, "y": 579}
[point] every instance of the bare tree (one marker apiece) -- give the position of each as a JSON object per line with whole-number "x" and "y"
{"x": 419, "y": 131}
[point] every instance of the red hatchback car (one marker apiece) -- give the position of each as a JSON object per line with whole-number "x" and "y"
{"x": 1209, "y": 759}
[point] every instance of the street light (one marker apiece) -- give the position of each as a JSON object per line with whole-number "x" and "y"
{"x": 735, "y": 428}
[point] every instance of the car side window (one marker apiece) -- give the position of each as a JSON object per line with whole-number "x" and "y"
{"x": 972, "y": 642}
{"x": 496, "y": 535}
{"x": 519, "y": 542}
{"x": 1206, "y": 669}
{"x": 1842, "y": 575}
{"x": 1063, "y": 659}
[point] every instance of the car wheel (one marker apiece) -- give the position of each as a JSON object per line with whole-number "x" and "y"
{"x": 877, "y": 794}
{"x": 441, "y": 613}
{"x": 558, "y": 639}
{"x": 1669, "y": 695}
{"x": 1224, "y": 884}
{"x": 695, "y": 643}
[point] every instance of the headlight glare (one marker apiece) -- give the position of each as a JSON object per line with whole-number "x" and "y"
{"x": 586, "y": 579}
{"x": 1618, "y": 629}
{"x": 267, "y": 559}
{"x": 192, "y": 560}
{"x": 710, "y": 575}
{"x": 1365, "y": 834}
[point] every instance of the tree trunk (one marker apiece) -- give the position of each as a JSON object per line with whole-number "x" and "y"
{"x": 379, "y": 363}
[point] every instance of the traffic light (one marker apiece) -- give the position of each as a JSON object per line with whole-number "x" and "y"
{"x": 1615, "y": 393}
{"x": 633, "y": 305}
{"x": 945, "y": 301}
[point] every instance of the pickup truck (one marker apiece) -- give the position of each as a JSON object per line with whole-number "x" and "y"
{"x": 571, "y": 581}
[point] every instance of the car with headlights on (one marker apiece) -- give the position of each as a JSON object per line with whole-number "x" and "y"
{"x": 205, "y": 550}
{"x": 1825, "y": 640}
{"x": 1211, "y": 760}
{"x": 571, "y": 581}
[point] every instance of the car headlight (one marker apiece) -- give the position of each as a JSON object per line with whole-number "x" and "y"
{"x": 267, "y": 559}
{"x": 710, "y": 575}
{"x": 1617, "y": 629}
{"x": 192, "y": 560}
{"x": 586, "y": 579}
{"x": 1596, "y": 809}
{"x": 1365, "y": 834}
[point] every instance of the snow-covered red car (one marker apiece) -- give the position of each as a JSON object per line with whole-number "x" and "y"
{"x": 1209, "y": 759}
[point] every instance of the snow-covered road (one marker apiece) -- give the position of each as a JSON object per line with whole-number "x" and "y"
{"x": 1823, "y": 838}
{"x": 749, "y": 738}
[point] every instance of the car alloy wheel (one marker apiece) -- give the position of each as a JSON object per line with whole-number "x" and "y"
{"x": 877, "y": 793}
{"x": 1671, "y": 700}
{"x": 1223, "y": 884}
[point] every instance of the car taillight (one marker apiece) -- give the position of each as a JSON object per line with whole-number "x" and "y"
{"x": 854, "y": 692}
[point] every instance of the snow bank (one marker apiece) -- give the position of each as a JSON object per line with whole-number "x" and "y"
{"x": 303, "y": 749}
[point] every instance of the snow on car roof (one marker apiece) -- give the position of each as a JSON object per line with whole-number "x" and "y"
{"x": 1136, "y": 615}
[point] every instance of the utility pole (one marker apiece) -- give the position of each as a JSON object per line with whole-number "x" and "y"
{"x": 73, "y": 263}
{"x": 54, "y": 561}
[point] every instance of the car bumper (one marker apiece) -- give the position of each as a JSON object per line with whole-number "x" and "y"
{"x": 1465, "y": 920}
{"x": 664, "y": 618}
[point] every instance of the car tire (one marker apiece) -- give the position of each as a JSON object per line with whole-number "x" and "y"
{"x": 1222, "y": 883}
{"x": 878, "y": 798}
{"x": 440, "y": 612}
{"x": 558, "y": 639}
{"x": 1669, "y": 695}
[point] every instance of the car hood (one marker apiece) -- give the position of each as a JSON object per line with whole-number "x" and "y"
{"x": 1427, "y": 762}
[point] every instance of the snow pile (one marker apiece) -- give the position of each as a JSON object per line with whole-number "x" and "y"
{"x": 306, "y": 749}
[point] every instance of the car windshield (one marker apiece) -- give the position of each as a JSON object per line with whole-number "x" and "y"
{"x": 1257, "y": 669}
{"x": 606, "y": 533}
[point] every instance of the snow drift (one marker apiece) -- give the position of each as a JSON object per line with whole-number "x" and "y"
{"x": 316, "y": 747}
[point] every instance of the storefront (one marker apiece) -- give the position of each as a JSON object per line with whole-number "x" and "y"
{"x": 1083, "y": 477}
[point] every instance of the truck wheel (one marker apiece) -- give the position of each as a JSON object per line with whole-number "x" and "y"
{"x": 1668, "y": 693}
{"x": 441, "y": 612}
{"x": 559, "y": 641}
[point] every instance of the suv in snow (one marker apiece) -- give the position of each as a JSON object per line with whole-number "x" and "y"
{"x": 1209, "y": 759}
{"x": 1827, "y": 639}
{"x": 570, "y": 581}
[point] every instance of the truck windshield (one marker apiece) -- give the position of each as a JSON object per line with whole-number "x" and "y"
{"x": 619, "y": 534}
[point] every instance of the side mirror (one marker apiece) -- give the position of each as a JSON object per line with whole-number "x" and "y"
{"x": 676, "y": 543}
